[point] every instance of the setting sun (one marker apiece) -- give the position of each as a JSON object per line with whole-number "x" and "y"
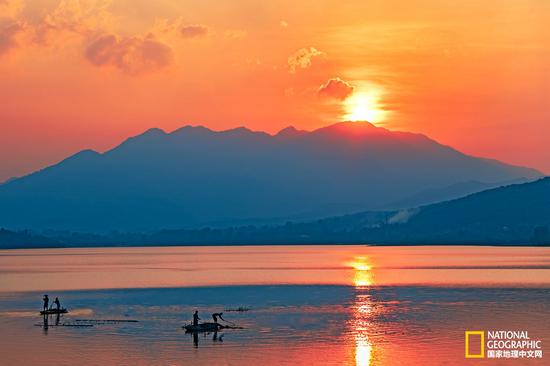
{"x": 364, "y": 106}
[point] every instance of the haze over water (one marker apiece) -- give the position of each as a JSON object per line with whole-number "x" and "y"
{"x": 335, "y": 305}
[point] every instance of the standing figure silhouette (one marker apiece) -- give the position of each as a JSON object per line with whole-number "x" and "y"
{"x": 46, "y": 300}
{"x": 196, "y": 318}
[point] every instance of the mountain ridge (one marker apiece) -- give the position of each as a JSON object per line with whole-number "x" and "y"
{"x": 194, "y": 175}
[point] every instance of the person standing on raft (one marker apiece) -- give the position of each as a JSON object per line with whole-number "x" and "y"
{"x": 57, "y": 304}
{"x": 196, "y": 318}
{"x": 46, "y": 300}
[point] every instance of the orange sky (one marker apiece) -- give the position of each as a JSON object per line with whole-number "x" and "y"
{"x": 87, "y": 74}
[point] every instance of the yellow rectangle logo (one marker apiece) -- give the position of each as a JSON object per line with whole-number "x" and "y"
{"x": 467, "y": 335}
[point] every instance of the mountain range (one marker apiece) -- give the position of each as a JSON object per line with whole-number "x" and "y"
{"x": 195, "y": 177}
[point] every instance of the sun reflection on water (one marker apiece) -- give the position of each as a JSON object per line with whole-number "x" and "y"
{"x": 363, "y": 346}
{"x": 362, "y": 278}
{"x": 363, "y": 350}
{"x": 362, "y": 274}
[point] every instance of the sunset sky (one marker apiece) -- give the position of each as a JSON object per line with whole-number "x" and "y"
{"x": 87, "y": 74}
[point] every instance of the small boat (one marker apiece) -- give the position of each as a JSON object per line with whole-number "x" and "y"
{"x": 54, "y": 311}
{"x": 203, "y": 327}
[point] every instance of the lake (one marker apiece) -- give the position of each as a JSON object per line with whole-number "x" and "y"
{"x": 318, "y": 305}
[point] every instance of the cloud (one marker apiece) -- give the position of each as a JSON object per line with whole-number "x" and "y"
{"x": 194, "y": 31}
{"x": 11, "y": 8}
{"x": 8, "y": 36}
{"x": 336, "y": 88}
{"x": 301, "y": 59}
{"x": 80, "y": 16}
{"x": 177, "y": 28}
{"x": 68, "y": 19}
{"x": 88, "y": 24}
{"x": 71, "y": 20}
{"x": 133, "y": 55}
{"x": 10, "y": 26}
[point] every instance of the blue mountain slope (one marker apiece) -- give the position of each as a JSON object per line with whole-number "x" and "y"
{"x": 195, "y": 176}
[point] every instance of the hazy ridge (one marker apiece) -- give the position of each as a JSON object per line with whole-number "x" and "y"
{"x": 195, "y": 177}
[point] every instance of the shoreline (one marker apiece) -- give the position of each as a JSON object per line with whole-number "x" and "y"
{"x": 512, "y": 245}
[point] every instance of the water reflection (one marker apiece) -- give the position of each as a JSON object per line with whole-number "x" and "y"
{"x": 362, "y": 274}
{"x": 329, "y": 325}
{"x": 215, "y": 337}
{"x": 196, "y": 339}
{"x": 361, "y": 323}
{"x": 45, "y": 324}
{"x": 101, "y": 268}
{"x": 362, "y": 311}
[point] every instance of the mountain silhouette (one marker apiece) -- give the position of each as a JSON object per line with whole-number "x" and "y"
{"x": 194, "y": 176}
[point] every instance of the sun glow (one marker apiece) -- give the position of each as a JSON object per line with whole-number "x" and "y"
{"x": 362, "y": 276}
{"x": 364, "y": 106}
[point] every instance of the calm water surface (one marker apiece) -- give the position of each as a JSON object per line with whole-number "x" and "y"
{"x": 334, "y": 305}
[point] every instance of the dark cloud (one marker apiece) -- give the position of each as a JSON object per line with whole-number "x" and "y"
{"x": 8, "y": 34}
{"x": 194, "y": 31}
{"x": 336, "y": 88}
{"x": 133, "y": 54}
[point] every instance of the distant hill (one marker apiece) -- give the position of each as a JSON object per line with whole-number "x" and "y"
{"x": 25, "y": 239}
{"x": 512, "y": 215}
{"x": 196, "y": 177}
{"x": 517, "y": 213}
{"x": 457, "y": 190}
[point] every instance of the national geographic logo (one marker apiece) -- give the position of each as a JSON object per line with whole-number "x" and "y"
{"x": 477, "y": 334}
{"x": 501, "y": 344}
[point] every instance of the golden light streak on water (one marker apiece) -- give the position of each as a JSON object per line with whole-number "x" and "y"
{"x": 363, "y": 345}
{"x": 362, "y": 276}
